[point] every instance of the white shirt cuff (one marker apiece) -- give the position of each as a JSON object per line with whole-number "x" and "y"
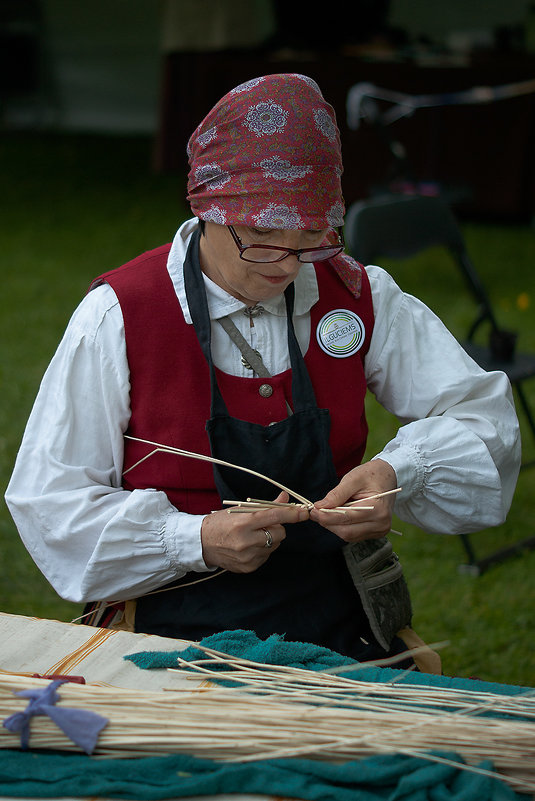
{"x": 181, "y": 535}
{"x": 408, "y": 465}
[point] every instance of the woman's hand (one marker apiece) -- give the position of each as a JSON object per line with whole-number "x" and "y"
{"x": 238, "y": 542}
{"x": 364, "y": 480}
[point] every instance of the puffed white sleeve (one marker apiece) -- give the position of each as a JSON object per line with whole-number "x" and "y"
{"x": 457, "y": 452}
{"x": 92, "y": 539}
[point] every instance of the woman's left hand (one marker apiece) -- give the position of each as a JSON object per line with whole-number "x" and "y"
{"x": 353, "y": 525}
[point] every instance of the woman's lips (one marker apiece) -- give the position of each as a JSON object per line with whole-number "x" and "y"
{"x": 276, "y": 279}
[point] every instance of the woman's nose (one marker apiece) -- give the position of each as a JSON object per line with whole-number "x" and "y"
{"x": 290, "y": 264}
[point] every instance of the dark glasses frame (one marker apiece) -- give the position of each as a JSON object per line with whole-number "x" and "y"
{"x": 289, "y": 251}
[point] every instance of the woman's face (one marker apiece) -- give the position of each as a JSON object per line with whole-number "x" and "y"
{"x": 252, "y": 283}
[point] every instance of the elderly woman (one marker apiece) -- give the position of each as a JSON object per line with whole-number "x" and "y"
{"x": 253, "y": 338}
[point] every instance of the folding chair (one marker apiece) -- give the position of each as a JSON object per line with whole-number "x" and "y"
{"x": 399, "y": 226}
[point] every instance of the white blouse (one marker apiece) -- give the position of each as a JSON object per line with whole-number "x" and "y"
{"x": 456, "y": 454}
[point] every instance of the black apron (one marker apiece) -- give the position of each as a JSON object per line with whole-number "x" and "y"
{"x": 304, "y": 590}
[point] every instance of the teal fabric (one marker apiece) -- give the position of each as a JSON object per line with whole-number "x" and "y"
{"x": 388, "y": 778}
{"x": 273, "y": 651}
{"x": 277, "y": 651}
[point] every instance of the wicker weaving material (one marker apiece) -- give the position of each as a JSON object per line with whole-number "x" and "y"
{"x": 273, "y": 712}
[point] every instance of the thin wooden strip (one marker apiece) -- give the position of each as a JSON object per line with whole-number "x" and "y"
{"x": 373, "y": 497}
{"x": 271, "y": 503}
{"x": 191, "y": 454}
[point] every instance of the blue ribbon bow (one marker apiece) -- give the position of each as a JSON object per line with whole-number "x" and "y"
{"x": 81, "y": 726}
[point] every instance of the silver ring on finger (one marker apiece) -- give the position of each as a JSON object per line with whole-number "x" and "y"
{"x": 269, "y": 538}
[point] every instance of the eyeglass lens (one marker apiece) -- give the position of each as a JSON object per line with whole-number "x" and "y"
{"x": 255, "y": 253}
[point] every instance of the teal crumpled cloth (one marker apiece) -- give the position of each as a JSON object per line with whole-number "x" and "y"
{"x": 387, "y": 778}
{"x": 275, "y": 650}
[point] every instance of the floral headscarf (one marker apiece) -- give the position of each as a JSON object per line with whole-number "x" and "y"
{"x": 268, "y": 154}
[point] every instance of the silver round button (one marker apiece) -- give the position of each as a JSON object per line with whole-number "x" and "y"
{"x": 265, "y": 390}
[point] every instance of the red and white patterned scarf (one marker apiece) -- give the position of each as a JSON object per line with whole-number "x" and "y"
{"x": 268, "y": 154}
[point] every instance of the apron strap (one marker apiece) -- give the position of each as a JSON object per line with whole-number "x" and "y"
{"x": 302, "y": 390}
{"x": 200, "y": 315}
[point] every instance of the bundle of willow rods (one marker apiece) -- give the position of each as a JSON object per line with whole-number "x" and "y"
{"x": 273, "y": 711}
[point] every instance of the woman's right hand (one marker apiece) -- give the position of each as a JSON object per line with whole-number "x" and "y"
{"x": 238, "y": 542}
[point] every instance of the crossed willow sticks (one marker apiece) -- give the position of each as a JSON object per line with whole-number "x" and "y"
{"x": 250, "y": 505}
{"x": 254, "y": 504}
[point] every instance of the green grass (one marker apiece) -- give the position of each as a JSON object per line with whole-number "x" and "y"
{"x": 489, "y": 621}
{"x": 76, "y": 206}
{"x": 73, "y": 208}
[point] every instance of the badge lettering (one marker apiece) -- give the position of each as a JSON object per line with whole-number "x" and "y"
{"x": 340, "y": 333}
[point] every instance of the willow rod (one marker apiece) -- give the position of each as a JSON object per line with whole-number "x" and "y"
{"x": 161, "y": 448}
{"x": 190, "y": 454}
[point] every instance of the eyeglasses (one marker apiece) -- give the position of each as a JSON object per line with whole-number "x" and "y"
{"x": 270, "y": 253}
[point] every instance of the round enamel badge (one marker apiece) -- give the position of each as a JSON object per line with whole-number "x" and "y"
{"x": 340, "y": 333}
